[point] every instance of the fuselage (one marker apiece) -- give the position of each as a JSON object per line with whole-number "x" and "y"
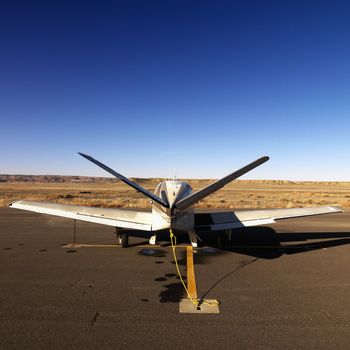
{"x": 171, "y": 191}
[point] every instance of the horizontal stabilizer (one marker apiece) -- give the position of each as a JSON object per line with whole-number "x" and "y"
{"x": 206, "y": 191}
{"x": 126, "y": 180}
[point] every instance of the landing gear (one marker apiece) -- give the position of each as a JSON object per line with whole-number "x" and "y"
{"x": 153, "y": 240}
{"x": 193, "y": 238}
{"x": 222, "y": 239}
{"x": 122, "y": 238}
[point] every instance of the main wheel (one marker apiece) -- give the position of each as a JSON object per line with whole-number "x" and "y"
{"x": 123, "y": 239}
{"x": 222, "y": 240}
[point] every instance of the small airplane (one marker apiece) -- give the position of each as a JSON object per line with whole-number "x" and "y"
{"x": 172, "y": 209}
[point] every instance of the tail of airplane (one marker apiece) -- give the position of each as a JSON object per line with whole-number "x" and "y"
{"x": 206, "y": 191}
{"x": 127, "y": 181}
{"x": 193, "y": 198}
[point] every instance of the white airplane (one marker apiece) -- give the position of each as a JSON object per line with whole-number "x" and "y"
{"x": 172, "y": 208}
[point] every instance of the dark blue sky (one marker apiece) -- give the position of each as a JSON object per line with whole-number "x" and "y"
{"x": 153, "y": 86}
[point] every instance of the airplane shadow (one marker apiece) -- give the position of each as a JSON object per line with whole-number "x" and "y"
{"x": 266, "y": 243}
{"x": 256, "y": 242}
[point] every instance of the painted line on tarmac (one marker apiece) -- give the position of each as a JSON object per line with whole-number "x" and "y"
{"x": 83, "y": 245}
{"x": 287, "y": 246}
{"x": 80, "y": 245}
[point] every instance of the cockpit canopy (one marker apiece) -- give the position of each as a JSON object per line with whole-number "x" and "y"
{"x": 173, "y": 190}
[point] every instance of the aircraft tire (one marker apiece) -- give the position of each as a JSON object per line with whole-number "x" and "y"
{"x": 123, "y": 240}
{"x": 222, "y": 240}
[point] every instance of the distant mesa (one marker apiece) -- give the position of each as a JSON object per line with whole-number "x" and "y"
{"x": 68, "y": 179}
{"x": 53, "y": 178}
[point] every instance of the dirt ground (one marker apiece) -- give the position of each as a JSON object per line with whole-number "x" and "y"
{"x": 238, "y": 194}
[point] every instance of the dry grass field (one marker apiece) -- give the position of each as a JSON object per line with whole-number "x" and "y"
{"x": 106, "y": 192}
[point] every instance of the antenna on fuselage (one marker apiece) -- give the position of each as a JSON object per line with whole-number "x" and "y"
{"x": 174, "y": 181}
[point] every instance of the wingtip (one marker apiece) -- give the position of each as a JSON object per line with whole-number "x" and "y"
{"x": 337, "y": 209}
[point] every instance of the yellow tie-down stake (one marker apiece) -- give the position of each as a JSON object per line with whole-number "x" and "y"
{"x": 191, "y": 304}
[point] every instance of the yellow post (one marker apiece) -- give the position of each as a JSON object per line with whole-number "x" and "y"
{"x": 191, "y": 280}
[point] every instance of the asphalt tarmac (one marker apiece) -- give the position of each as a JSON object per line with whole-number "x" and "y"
{"x": 283, "y": 286}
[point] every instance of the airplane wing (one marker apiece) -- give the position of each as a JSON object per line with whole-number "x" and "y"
{"x": 244, "y": 218}
{"x": 122, "y": 218}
